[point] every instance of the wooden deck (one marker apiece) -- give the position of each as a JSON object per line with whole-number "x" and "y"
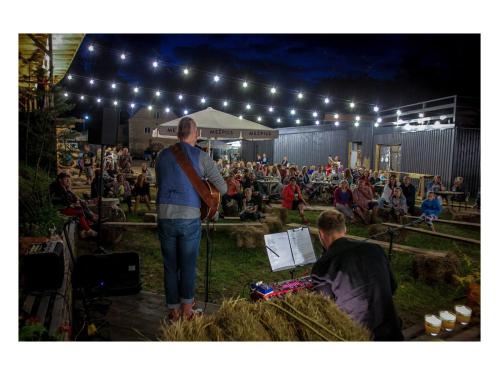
{"x": 138, "y": 317}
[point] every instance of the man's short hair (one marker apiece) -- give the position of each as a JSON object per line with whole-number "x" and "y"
{"x": 331, "y": 221}
{"x": 184, "y": 127}
{"x": 292, "y": 179}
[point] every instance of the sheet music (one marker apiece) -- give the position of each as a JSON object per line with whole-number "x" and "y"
{"x": 301, "y": 246}
{"x": 278, "y": 251}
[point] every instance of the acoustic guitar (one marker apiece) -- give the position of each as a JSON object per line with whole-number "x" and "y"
{"x": 209, "y": 209}
{"x": 209, "y": 195}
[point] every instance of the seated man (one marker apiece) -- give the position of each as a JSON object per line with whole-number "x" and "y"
{"x": 292, "y": 198}
{"x": 431, "y": 208}
{"x": 250, "y": 207}
{"x": 358, "y": 277}
{"x": 409, "y": 192}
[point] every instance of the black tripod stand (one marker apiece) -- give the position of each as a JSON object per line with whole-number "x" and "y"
{"x": 100, "y": 192}
{"x": 392, "y": 231}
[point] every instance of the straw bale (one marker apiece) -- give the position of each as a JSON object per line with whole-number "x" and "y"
{"x": 433, "y": 270}
{"x": 249, "y": 237}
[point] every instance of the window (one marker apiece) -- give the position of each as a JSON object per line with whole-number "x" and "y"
{"x": 389, "y": 158}
{"x": 147, "y": 130}
{"x": 157, "y": 115}
{"x": 355, "y": 155}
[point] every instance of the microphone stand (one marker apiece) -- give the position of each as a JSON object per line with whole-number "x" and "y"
{"x": 392, "y": 231}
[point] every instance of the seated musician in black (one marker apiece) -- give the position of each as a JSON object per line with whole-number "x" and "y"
{"x": 358, "y": 277}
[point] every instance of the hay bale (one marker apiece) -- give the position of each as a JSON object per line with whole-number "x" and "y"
{"x": 470, "y": 217}
{"x": 433, "y": 270}
{"x": 303, "y": 316}
{"x": 274, "y": 224}
{"x": 150, "y": 218}
{"x": 399, "y": 236}
{"x": 249, "y": 237}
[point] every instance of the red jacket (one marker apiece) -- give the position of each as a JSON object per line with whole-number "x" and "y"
{"x": 233, "y": 187}
{"x": 288, "y": 195}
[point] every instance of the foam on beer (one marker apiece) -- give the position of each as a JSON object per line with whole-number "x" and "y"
{"x": 446, "y": 315}
{"x": 433, "y": 320}
{"x": 464, "y": 310}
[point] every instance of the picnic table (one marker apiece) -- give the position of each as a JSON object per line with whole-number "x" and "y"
{"x": 325, "y": 189}
{"x": 448, "y": 194}
{"x": 269, "y": 182}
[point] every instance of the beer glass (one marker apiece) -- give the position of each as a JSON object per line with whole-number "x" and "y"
{"x": 432, "y": 325}
{"x": 448, "y": 320}
{"x": 463, "y": 314}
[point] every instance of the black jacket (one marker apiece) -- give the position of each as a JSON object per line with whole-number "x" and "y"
{"x": 358, "y": 277}
{"x": 409, "y": 193}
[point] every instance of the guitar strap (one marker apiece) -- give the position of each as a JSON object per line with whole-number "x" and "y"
{"x": 192, "y": 175}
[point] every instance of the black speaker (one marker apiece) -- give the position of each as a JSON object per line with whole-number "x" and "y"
{"x": 103, "y": 127}
{"x": 43, "y": 267}
{"x": 108, "y": 274}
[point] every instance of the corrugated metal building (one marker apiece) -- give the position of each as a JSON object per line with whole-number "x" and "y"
{"x": 428, "y": 147}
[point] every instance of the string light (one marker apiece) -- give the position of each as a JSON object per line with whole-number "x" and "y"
{"x": 203, "y": 100}
{"x": 278, "y": 120}
{"x": 70, "y": 77}
{"x": 315, "y": 114}
{"x": 356, "y": 124}
{"x": 122, "y": 56}
{"x": 248, "y": 107}
{"x": 91, "y": 81}
{"x": 245, "y": 84}
{"x": 398, "y": 112}
{"x": 358, "y": 118}
{"x": 336, "y": 115}
{"x": 297, "y": 121}
{"x": 157, "y": 93}
{"x": 292, "y": 112}
{"x": 132, "y": 105}
{"x": 186, "y": 112}
{"x": 352, "y": 104}
{"x": 225, "y": 103}
{"x": 379, "y": 120}
{"x": 186, "y": 71}
{"x": 115, "y": 103}
{"x": 240, "y": 117}
{"x": 273, "y": 90}
{"x": 167, "y": 109}
{"x": 82, "y": 97}
{"x": 91, "y": 48}
{"x": 150, "y": 107}
{"x": 327, "y": 100}
{"x": 259, "y": 119}
{"x": 420, "y": 115}
{"x": 337, "y": 123}
{"x": 86, "y": 117}
{"x": 376, "y": 109}
{"x": 180, "y": 97}
{"x": 155, "y": 64}
{"x": 99, "y": 100}
{"x": 300, "y": 95}
{"x": 271, "y": 109}
{"x": 136, "y": 89}
{"x": 113, "y": 85}
{"x": 317, "y": 122}
{"x": 216, "y": 78}
{"x": 376, "y": 124}
{"x": 66, "y": 94}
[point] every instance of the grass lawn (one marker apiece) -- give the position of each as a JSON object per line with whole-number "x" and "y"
{"x": 233, "y": 269}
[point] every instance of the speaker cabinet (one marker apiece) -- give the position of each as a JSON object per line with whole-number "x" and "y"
{"x": 103, "y": 128}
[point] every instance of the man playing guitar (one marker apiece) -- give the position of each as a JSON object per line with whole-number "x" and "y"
{"x": 179, "y": 222}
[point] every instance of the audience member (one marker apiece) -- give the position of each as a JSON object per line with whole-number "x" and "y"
{"x": 141, "y": 191}
{"x": 409, "y": 192}
{"x": 88, "y": 158}
{"x": 251, "y": 208}
{"x": 233, "y": 193}
{"x": 121, "y": 190}
{"x": 364, "y": 202}
{"x": 431, "y": 208}
{"x": 293, "y": 200}
{"x": 343, "y": 201}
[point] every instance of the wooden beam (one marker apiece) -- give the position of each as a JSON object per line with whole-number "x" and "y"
{"x": 464, "y": 223}
{"x": 396, "y": 247}
{"x": 125, "y": 224}
{"x": 38, "y": 43}
{"x": 435, "y": 234}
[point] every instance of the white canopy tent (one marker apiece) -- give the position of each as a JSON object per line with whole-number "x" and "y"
{"x": 213, "y": 124}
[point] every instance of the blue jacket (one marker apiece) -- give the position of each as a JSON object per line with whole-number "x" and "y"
{"x": 174, "y": 186}
{"x": 431, "y": 207}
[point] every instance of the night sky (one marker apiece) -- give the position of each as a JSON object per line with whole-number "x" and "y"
{"x": 388, "y": 70}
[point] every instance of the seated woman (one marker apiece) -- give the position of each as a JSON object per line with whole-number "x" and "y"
{"x": 141, "y": 192}
{"x": 397, "y": 205}
{"x": 293, "y": 200}
{"x": 388, "y": 190}
{"x": 147, "y": 173}
{"x": 233, "y": 192}
{"x": 342, "y": 200}
{"x": 431, "y": 208}
{"x": 70, "y": 205}
{"x": 250, "y": 207}
{"x": 121, "y": 190}
{"x": 436, "y": 185}
{"x": 364, "y": 202}
{"x": 348, "y": 176}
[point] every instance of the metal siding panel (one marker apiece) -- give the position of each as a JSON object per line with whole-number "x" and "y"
{"x": 467, "y": 158}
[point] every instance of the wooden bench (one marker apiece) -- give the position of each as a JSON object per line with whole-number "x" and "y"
{"x": 470, "y": 332}
{"x": 435, "y": 234}
{"x": 154, "y": 225}
{"x": 463, "y": 223}
{"x": 395, "y": 247}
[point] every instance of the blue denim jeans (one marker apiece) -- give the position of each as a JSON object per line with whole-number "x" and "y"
{"x": 180, "y": 244}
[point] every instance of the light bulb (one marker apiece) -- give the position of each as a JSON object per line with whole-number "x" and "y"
{"x": 259, "y": 118}
{"x": 91, "y": 81}
{"x": 248, "y": 106}
{"x": 327, "y": 100}
{"x": 113, "y": 85}
{"x": 379, "y": 120}
{"x": 122, "y": 56}
{"x": 136, "y": 89}
{"x": 167, "y": 110}
{"x": 315, "y": 114}
{"x": 155, "y": 64}
{"x": 300, "y": 95}
{"x": 66, "y": 94}
{"x": 352, "y": 104}
{"x": 186, "y": 71}
{"x": 157, "y": 93}
{"x": 292, "y": 112}
{"x": 336, "y": 115}
{"x": 180, "y": 96}
{"x": 70, "y": 77}
{"x": 398, "y": 112}
{"x": 297, "y": 121}
{"x": 225, "y": 103}
{"x": 91, "y": 48}
{"x": 216, "y": 78}
{"x": 150, "y": 107}
{"x": 317, "y": 122}
{"x": 273, "y": 90}
{"x": 82, "y": 97}
{"x": 337, "y": 123}
{"x": 203, "y": 100}
{"x": 358, "y": 118}
{"x": 240, "y": 117}
{"x": 271, "y": 109}
{"x": 115, "y": 103}
{"x": 245, "y": 84}
{"x": 186, "y": 112}
{"x": 132, "y": 105}
{"x": 356, "y": 124}
{"x": 278, "y": 120}
{"x": 98, "y": 100}
{"x": 375, "y": 109}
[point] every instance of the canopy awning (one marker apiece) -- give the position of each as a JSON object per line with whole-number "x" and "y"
{"x": 214, "y": 124}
